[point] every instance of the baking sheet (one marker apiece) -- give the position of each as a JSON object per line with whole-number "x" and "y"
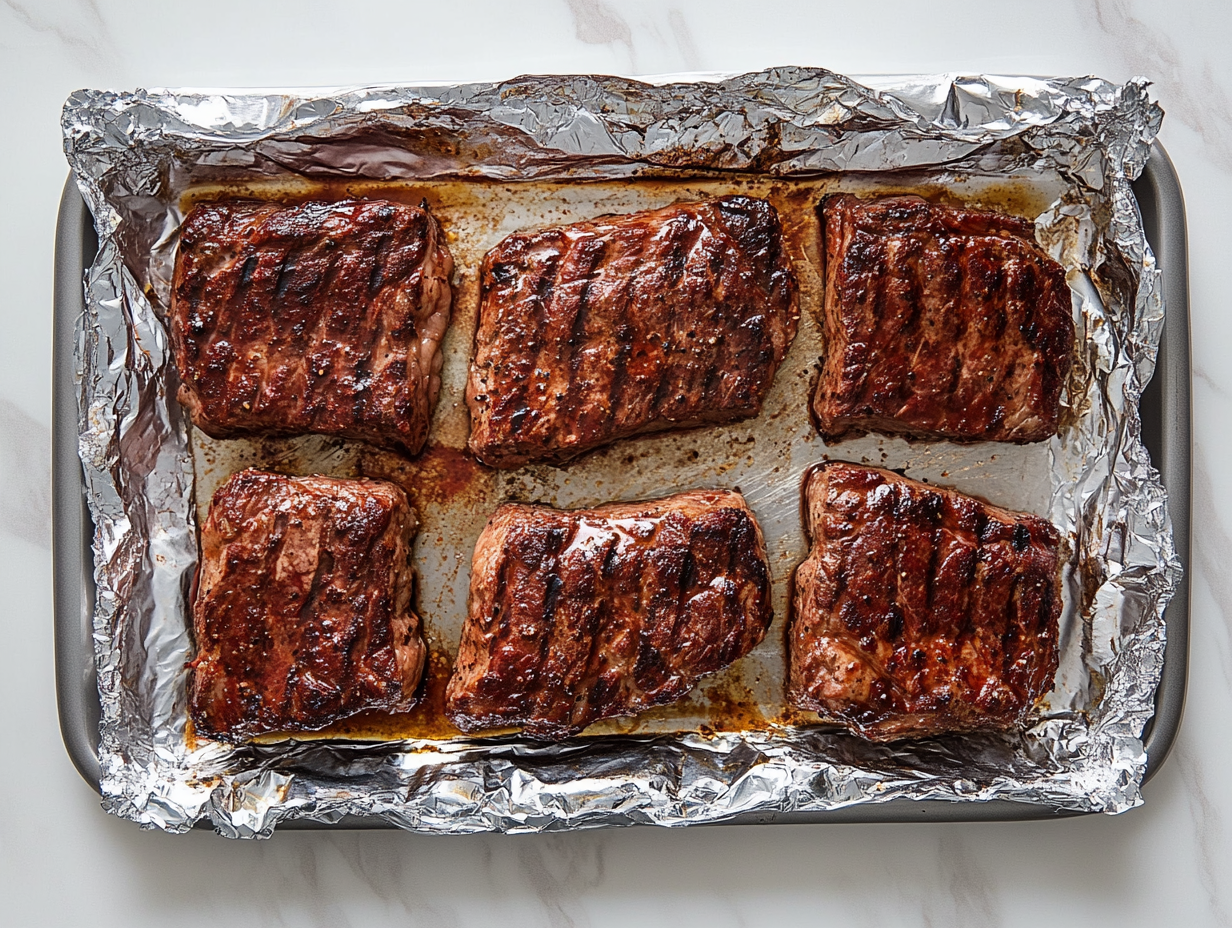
{"x": 1086, "y": 755}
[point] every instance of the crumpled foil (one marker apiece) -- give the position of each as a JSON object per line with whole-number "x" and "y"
{"x": 135, "y": 153}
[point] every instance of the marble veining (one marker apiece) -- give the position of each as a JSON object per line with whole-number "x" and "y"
{"x": 596, "y": 23}
{"x": 79, "y": 29}
{"x": 25, "y": 466}
{"x": 659, "y": 40}
{"x": 1208, "y": 830}
{"x": 62, "y": 861}
{"x": 971, "y": 902}
{"x": 1212, "y": 557}
{"x": 1196, "y": 91}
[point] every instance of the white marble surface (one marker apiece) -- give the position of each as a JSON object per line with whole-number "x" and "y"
{"x": 63, "y": 861}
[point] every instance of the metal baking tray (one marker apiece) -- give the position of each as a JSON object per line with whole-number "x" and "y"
{"x": 1166, "y": 422}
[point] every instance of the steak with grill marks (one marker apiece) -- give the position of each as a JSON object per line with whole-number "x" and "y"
{"x": 606, "y": 329}
{"x": 939, "y": 323}
{"x": 921, "y": 610}
{"x": 319, "y": 317}
{"x": 585, "y": 615}
{"x": 303, "y": 609}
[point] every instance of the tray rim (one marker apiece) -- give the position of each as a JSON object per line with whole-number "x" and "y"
{"x": 1167, "y": 434}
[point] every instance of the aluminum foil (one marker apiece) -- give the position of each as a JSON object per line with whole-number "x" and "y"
{"x": 1077, "y": 142}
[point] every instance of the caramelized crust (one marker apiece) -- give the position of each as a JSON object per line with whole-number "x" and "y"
{"x": 303, "y": 607}
{"x": 586, "y": 615}
{"x": 320, "y": 317}
{"x": 606, "y": 329}
{"x": 940, "y": 323}
{"x": 920, "y": 610}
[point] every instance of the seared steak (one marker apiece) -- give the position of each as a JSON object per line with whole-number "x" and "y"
{"x": 921, "y": 610}
{"x": 940, "y": 323}
{"x": 321, "y": 317}
{"x": 628, "y": 324}
{"x": 586, "y": 615}
{"x": 303, "y": 608}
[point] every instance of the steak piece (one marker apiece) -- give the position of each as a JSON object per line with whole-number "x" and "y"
{"x": 303, "y": 608}
{"x": 602, "y": 330}
{"x": 586, "y": 615}
{"x": 920, "y": 610}
{"x": 940, "y": 323}
{"x": 320, "y": 317}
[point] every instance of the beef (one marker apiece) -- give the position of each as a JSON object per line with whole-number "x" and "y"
{"x": 920, "y": 610}
{"x": 591, "y": 614}
{"x": 939, "y": 323}
{"x": 602, "y": 330}
{"x": 303, "y": 607}
{"x": 319, "y": 317}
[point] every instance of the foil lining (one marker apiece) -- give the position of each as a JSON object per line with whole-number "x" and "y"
{"x": 135, "y": 155}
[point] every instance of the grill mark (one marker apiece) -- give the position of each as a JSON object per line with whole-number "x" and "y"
{"x": 315, "y": 400}
{"x": 674, "y": 263}
{"x": 621, "y": 330}
{"x": 774, "y": 251}
{"x": 252, "y": 306}
{"x": 865, "y": 403}
{"x": 286, "y": 269}
{"x": 840, "y": 576}
{"x": 824, "y": 400}
{"x": 596, "y": 616}
{"x": 915, "y": 290}
{"x": 380, "y": 256}
{"x": 619, "y": 374}
{"x": 273, "y": 638}
{"x": 549, "y": 571}
{"x": 734, "y": 549}
{"x": 684, "y": 371}
{"x": 663, "y": 387}
{"x": 1003, "y": 374}
{"x": 930, "y": 578}
{"x": 353, "y": 654}
{"x": 577, "y": 331}
{"x": 671, "y": 377}
{"x": 961, "y": 321}
{"x": 247, "y": 270}
{"x": 500, "y": 616}
{"x": 517, "y": 394}
{"x": 973, "y": 596}
{"x": 683, "y": 245}
{"x": 583, "y": 707}
{"x": 1014, "y": 623}
{"x": 895, "y": 599}
{"x": 969, "y": 387}
{"x": 679, "y": 605}
{"x": 595, "y": 250}
{"x": 230, "y": 308}
{"x": 741, "y": 538}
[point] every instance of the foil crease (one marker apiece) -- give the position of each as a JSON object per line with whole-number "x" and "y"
{"x": 133, "y": 154}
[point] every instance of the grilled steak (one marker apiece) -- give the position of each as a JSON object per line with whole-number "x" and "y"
{"x": 321, "y": 317}
{"x": 303, "y": 608}
{"x": 586, "y": 615}
{"x": 628, "y": 324}
{"x": 920, "y": 610}
{"x": 940, "y": 323}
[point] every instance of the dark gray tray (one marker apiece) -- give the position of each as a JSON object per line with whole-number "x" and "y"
{"x": 1166, "y": 431}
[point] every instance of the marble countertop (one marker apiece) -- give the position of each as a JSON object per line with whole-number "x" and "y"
{"x": 63, "y": 861}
